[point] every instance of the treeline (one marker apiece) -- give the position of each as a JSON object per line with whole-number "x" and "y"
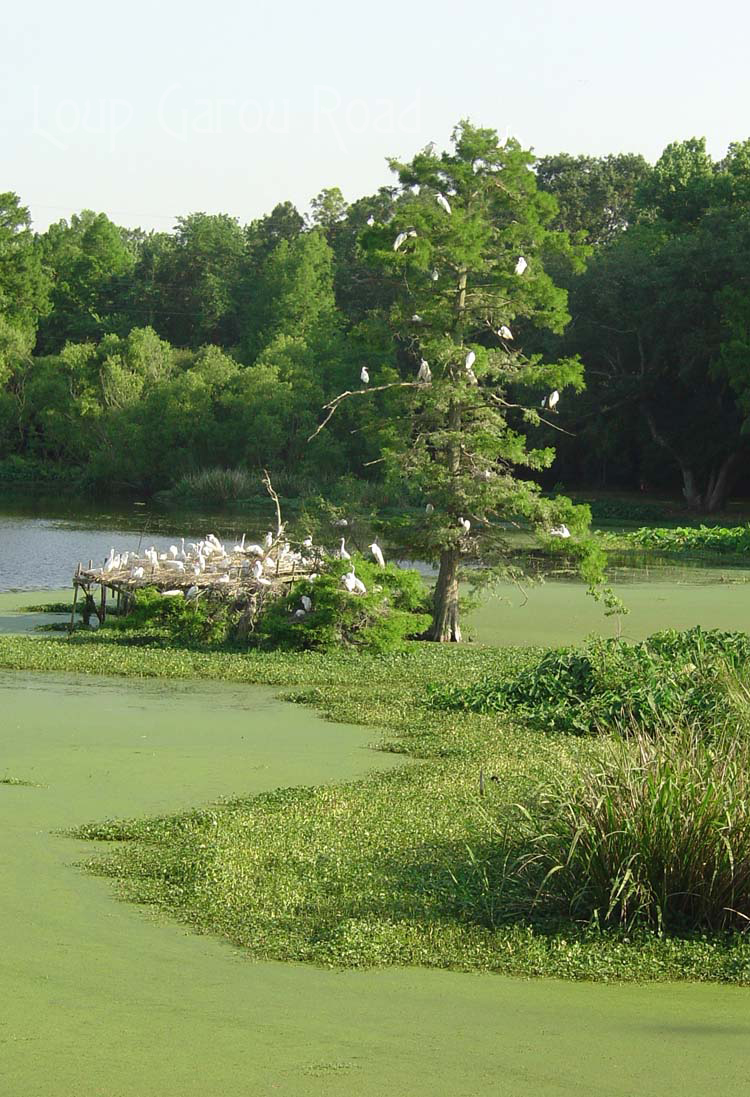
{"x": 129, "y": 359}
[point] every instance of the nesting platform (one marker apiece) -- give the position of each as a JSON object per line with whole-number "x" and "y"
{"x": 229, "y": 580}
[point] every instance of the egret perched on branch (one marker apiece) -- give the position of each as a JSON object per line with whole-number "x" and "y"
{"x": 470, "y": 360}
{"x": 443, "y": 202}
{"x": 402, "y": 238}
{"x": 435, "y": 275}
{"x": 257, "y": 570}
{"x": 342, "y": 523}
{"x": 371, "y": 220}
{"x": 364, "y": 376}
{"x": 306, "y": 603}
{"x": 416, "y": 318}
{"x": 377, "y": 552}
{"x": 429, "y": 508}
{"x": 425, "y": 373}
{"x": 342, "y": 553}
{"x": 504, "y": 332}
{"x": 465, "y": 524}
{"x": 521, "y": 265}
{"x": 268, "y": 542}
{"x": 553, "y": 400}
{"x": 560, "y": 531}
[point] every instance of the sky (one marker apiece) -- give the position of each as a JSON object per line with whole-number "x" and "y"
{"x": 151, "y": 110}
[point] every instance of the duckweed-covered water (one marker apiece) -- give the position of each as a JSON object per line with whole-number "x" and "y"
{"x": 100, "y": 999}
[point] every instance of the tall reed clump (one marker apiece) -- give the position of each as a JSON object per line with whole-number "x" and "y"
{"x": 656, "y": 835}
{"x": 218, "y": 485}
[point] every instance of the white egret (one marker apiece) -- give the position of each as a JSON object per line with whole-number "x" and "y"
{"x": 254, "y": 550}
{"x": 306, "y": 603}
{"x": 307, "y": 544}
{"x": 400, "y": 239}
{"x": 342, "y": 523}
{"x": 371, "y": 220}
{"x": 521, "y": 265}
{"x": 342, "y": 553}
{"x": 257, "y": 570}
{"x": 429, "y": 508}
{"x": 425, "y": 373}
{"x": 299, "y": 614}
{"x": 172, "y": 594}
{"x": 470, "y": 359}
{"x": 465, "y": 524}
{"x": 553, "y": 400}
{"x": 174, "y": 551}
{"x": 416, "y": 318}
{"x": 137, "y": 573}
{"x": 471, "y": 376}
{"x": 241, "y": 546}
{"x": 268, "y": 541}
{"x": 443, "y": 202}
{"x": 435, "y": 275}
{"x": 364, "y": 376}
{"x": 191, "y": 592}
{"x": 377, "y": 552}
{"x": 353, "y": 584}
{"x": 560, "y": 531}
{"x": 504, "y": 332}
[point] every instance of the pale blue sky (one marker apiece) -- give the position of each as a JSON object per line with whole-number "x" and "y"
{"x": 151, "y": 110}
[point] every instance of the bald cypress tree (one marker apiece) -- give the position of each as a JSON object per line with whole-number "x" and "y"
{"x": 466, "y": 250}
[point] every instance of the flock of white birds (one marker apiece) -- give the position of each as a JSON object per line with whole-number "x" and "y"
{"x": 211, "y": 563}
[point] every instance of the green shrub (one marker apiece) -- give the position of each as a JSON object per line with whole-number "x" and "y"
{"x": 656, "y": 834}
{"x": 380, "y": 620}
{"x": 155, "y": 617}
{"x": 671, "y": 675}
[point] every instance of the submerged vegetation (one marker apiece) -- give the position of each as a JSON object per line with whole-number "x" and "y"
{"x": 442, "y": 862}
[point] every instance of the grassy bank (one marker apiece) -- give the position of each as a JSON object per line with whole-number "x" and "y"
{"x": 398, "y": 868}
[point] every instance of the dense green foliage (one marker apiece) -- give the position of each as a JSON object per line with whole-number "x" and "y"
{"x": 400, "y": 868}
{"x": 291, "y": 308}
{"x": 720, "y": 539}
{"x": 391, "y": 610}
{"x": 157, "y": 618}
{"x": 670, "y": 677}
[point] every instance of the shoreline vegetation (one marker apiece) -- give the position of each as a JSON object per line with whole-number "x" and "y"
{"x": 410, "y": 867}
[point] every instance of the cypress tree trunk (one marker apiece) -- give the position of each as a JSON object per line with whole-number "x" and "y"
{"x": 445, "y": 628}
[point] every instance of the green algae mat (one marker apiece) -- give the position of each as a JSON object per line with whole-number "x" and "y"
{"x": 101, "y": 999}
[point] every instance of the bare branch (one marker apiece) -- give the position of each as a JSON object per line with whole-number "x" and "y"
{"x": 269, "y": 488}
{"x": 332, "y": 407}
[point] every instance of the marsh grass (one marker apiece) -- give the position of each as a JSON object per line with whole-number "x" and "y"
{"x": 654, "y": 834}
